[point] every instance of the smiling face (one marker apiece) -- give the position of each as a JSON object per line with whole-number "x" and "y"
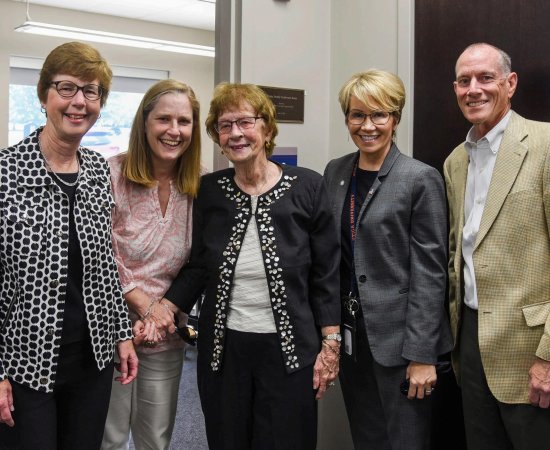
{"x": 243, "y": 146}
{"x": 373, "y": 141}
{"x": 483, "y": 90}
{"x": 69, "y": 119}
{"x": 169, "y": 128}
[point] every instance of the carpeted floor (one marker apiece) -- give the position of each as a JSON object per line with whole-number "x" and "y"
{"x": 189, "y": 427}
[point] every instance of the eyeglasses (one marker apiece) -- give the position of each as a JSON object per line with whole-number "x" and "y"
{"x": 244, "y": 123}
{"x": 376, "y": 117}
{"x": 67, "y": 89}
{"x": 465, "y": 82}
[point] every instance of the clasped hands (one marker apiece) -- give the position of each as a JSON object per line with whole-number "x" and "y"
{"x": 155, "y": 322}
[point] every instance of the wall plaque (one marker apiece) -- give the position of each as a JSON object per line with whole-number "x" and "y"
{"x": 289, "y": 103}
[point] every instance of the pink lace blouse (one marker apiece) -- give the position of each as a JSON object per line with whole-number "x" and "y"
{"x": 149, "y": 248}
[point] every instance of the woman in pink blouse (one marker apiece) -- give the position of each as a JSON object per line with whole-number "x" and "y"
{"x": 154, "y": 184}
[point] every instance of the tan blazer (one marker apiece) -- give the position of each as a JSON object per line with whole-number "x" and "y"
{"x": 511, "y": 257}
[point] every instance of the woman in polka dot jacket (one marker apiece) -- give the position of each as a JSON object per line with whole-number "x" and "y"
{"x": 61, "y": 308}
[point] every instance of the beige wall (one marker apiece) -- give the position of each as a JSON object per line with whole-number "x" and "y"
{"x": 197, "y": 71}
{"x": 370, "y": 34}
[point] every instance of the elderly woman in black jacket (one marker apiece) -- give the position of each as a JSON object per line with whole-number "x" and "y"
{"x": 61, "y": 308}
{"x": 265, "y": 252}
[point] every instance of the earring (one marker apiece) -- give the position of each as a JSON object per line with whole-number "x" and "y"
{"x": 99, "y": 117}
{"x": 43, "y": 110}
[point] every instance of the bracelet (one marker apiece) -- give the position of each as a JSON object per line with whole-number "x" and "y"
{"x": 164, "y": 305}
{"x": 330, "y": 367}
{"x": 334, "y": 349}
{"x": 148, "y": 310}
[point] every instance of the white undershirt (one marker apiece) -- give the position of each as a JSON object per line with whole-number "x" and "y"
{"x": 249, "y": 304}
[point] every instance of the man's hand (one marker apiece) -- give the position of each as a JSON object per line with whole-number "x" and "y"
{"x": 539, "y": 383}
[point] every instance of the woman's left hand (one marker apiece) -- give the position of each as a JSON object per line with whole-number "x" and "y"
{"x": 422, "y": 379}
{"x": 128, "y": 366}
{"x": 326, "y": 367}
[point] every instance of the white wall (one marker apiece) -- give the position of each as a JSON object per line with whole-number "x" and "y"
{"x": 197, "y": 71}
{"x": 287, "y": 44}
{"x": 370, "y": 34}
{"x": 316, "y": 45}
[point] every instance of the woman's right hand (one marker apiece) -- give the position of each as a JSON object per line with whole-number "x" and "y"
{"x": 6, "y": 403}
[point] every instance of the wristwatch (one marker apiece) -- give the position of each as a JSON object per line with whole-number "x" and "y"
{"x": 333, "y": 337}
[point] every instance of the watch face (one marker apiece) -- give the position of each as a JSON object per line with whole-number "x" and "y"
{"x": 335, "y": 336}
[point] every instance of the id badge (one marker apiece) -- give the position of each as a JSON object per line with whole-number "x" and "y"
{"x": 349, "y": 340}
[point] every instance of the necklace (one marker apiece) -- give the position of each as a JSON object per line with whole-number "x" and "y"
{"x": 50, "y": 170}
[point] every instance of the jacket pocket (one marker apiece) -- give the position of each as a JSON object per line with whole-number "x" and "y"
{"x": 25, "y": 228}
{"x": 536, "y": 314}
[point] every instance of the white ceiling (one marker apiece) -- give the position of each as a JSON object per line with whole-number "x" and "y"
{"x": 185, "y": 13}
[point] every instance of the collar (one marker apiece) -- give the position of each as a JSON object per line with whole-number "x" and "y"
{"x": 32, "y": 172}
{"x": 493, "y": 138}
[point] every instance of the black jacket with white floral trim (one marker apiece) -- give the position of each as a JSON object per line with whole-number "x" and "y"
{"x": 301, "y": 259}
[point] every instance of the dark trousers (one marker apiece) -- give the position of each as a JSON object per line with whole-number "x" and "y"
{"x": 72, "y": 416}
{"x": 490, "y": 424}
{"x": 380, "y": 417}
{"x": 253, "y": 403}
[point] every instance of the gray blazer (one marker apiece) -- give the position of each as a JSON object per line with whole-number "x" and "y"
{"x": 400, "y": 257}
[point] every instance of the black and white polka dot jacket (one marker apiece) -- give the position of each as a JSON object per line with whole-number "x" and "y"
{"x": 33, "y": 257}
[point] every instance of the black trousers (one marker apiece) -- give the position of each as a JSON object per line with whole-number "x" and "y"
{"x": 72, "y": 416}
{"x": 380, "y": 417}
{"x": 490, "y": 424}
{"x": 253, "y": 403}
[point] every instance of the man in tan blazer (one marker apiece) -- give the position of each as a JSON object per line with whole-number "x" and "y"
{"x": 498, "y": 188}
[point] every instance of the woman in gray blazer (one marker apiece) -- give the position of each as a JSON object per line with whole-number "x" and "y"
{"x": 392, "y": 216}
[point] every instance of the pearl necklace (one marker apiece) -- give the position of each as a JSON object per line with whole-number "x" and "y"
{"x": 50, "y": 170}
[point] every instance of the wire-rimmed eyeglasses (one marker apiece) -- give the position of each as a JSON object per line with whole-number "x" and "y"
{"x": 68, "y": 89}
{"x": 244, "y": 123}
{"x": 376, "y": 117}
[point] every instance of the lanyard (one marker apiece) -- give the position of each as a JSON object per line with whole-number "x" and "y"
{"x": 353, "y": 213}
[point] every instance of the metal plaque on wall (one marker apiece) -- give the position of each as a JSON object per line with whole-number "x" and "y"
{"x": 289, "y": 103}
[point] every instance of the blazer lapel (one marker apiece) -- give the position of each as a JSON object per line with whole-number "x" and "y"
{"x": 339, "y": 187}
{"x": 389, "y": 161}
{"x": 508, "y": 164}
{"x": 459, "y": 176}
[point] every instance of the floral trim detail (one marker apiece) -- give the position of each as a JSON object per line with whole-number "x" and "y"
{"x": 277, "y": 289}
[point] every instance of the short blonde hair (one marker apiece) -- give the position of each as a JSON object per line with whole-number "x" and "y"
{"x": 376, "y": 89}
{"x": 137, "y": 166}
{"x": 77, "y": 60}
{"x": 233, "y": 95}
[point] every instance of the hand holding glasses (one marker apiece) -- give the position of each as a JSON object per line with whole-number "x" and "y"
{"x": 187, "y": 333}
